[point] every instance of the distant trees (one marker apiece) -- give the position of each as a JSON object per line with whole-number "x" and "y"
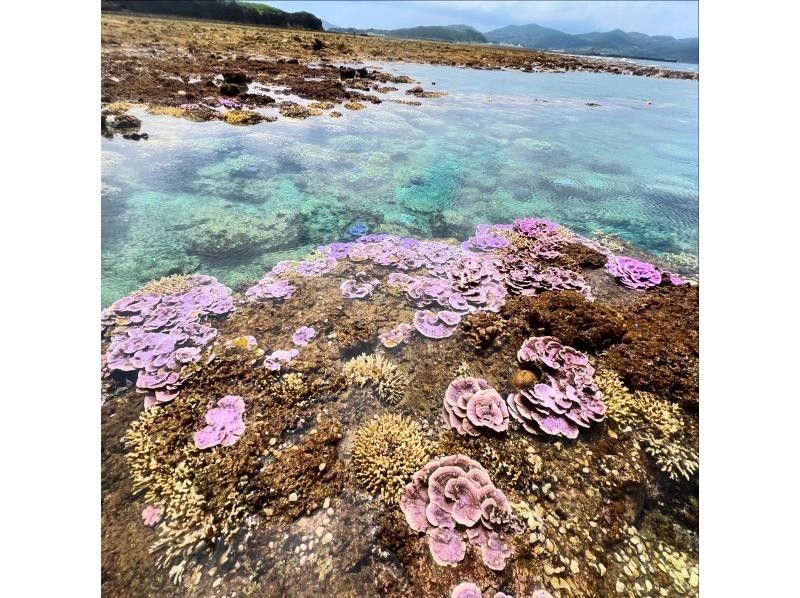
{"x": 218, "y": 10}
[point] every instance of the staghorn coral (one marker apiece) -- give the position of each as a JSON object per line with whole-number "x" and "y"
{"x": 659, "y": 425}
{"x": 386, "y": 452}
{"x": 470, "y": 404}
{"x": 452, "y": 498}
{"x": 383, "y": 375}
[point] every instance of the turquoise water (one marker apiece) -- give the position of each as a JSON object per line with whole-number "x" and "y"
{"x": 232, "y": 201}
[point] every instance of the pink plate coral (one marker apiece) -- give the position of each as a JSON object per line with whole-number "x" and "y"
{"x": 471, "y": 404}
{"x": 453, "y": 500}
{"x": 225, "y": 424}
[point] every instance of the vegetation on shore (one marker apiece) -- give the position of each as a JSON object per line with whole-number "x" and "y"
{"x": 219, "y": 10}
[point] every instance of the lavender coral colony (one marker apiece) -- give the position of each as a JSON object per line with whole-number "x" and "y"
{"x": 453, "y": 501}
{"x": 166, "y": 335}
{"x": 567, "y": 401}
{"x": 160, "y": 336}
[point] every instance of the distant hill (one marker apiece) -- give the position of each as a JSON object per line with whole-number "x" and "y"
{"x": 611, "y": 43}
{"x": 218, "y": 10}
{"x": 447, "y": 33}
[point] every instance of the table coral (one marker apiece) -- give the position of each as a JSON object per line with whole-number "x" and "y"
{"x": 386, "y": 452}
{"x": 225, "y": 424}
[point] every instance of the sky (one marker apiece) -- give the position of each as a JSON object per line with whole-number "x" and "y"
{"x": 676, "y": 18}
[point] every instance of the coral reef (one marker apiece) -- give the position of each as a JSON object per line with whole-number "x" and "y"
{"x": 569, "y": 316}
{"x": 303, "y": 335}
{"x": 661, "y": 426}
{"x": 381, "y": 374}
{"x": 471, "y": 404}
{"x": 633, "y": 273}
{"x": 386, "y": 452}
{"x": 570, "y": 399}
{"x": 453, "y": 497}
{"x": 660, "y": 351}
{"x": 160, "y": 336}
{"x": 242, "y": 117}
{"x": 225, "y": 424}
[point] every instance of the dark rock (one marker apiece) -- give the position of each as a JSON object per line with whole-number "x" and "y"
{"x": 235, "y": 78}
{"x": 346, "y": 73}
{"x": 126, "y": 121}
{"x": 229, "y": 90}
{"x": 317, "y": 45}
{"x": 415, "y": 91}
{"x": 363, "y": 73}
{"x": 257, "y": 99}
{"x": 592, "y": 104}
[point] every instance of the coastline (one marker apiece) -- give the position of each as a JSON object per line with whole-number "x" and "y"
{"x": 174, "y": 61}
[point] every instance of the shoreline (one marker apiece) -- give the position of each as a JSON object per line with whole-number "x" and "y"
{"x": 170, "y": 63}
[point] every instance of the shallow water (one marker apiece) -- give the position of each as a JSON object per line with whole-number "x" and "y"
{"x": 233, "y": 201}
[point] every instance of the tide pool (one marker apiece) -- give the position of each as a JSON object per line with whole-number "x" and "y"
{"x": 232, "y": 201}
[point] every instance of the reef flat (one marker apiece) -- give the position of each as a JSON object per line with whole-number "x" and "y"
{"x": 170, "y": 64}
{"x": 510, "y": 414}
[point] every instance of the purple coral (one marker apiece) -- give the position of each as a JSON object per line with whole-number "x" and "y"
{"x": 436, "y": 325}
{"x": 316, "y": 267}
{"x": 486, "y": 239}
{"x": 633, "y": 273}
{"x": 570, "y": 399}
{"x": 466, "y": 590}
{"x": 275, "y": 360}
{"x": 225, "y": 424}
{"x": 151, "y": 515}
{"x": 358, "y": 287}
{"x": 225, "y": 102}
{"x": 470, "y": 404}
{"x": 302, "y": 335}
{"x": 270, "y": 288}
{"x": 399, "y": 334}
{"x": 160, "y": 337}
{"x": 453, "y": 498}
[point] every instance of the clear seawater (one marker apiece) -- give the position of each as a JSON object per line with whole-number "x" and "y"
{"x": 500, "y": 145}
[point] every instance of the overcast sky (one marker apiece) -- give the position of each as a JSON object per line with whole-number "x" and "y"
{"x": 678, "y": 19}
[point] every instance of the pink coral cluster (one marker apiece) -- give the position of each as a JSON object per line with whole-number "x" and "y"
{"x": 633, "y": 273}
{"x": 436, "y": 324}
{"x": 303, "y": 335}
{"x": 358, "y": 287}
{"x": 397, "y": 335}
{"x": 471, "y": 404}
{"x": 160, "y": 337}
{"x": 270, "y": 288}
{"x": 225, "y": 424}
{"x": 453, "y": 501}
{"x": 523, "y": 277}
{"x": 570, "y": 399}
{"x": 277, "y": 359}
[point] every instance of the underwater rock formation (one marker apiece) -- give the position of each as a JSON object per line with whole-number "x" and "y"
{"x": 452, "y": 498}
{"x": 386, "y": 452}
{"x": 471, "y": 404}
{"x": 568, "y": 401}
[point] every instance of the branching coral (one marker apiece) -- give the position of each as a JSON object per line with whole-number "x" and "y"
{"x": 386, "y": 452}
{"x": 452, "y": 498}
{"x": 660, "y": 425}
{"x": 374, "y": 369}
